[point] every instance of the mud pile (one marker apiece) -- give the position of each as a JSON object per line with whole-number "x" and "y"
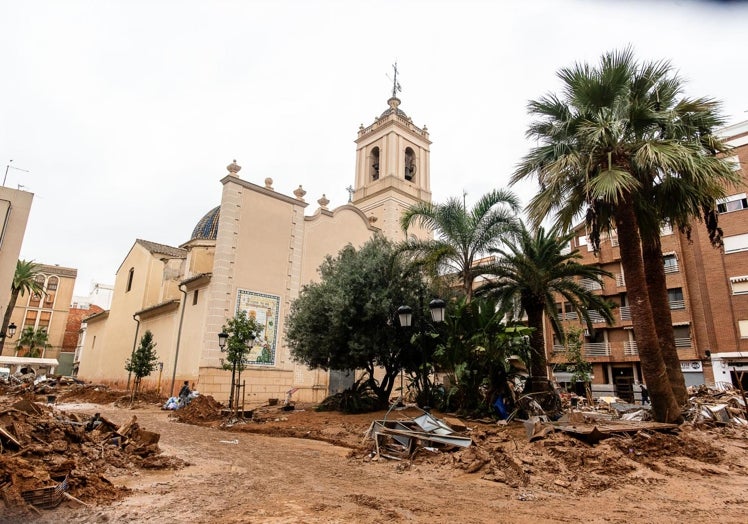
{"x": 49, "y": 456}
{"x": 201, "y": 410}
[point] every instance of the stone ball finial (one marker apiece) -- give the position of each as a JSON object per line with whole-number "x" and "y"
{"x": 323, "y": 201}
{"x": 299, "y": 192}
{"x": 268, "y": 183}
{"x": 234, "y": 168}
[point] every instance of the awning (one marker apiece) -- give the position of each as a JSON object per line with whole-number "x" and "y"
{"x": 684, "y": 323}
{"x": 744, "y": 278}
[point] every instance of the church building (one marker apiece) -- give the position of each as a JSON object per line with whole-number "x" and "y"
{"x": 253, "y": 252}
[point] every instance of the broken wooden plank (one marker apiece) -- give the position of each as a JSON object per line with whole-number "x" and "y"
{"x": 7, "y": 437}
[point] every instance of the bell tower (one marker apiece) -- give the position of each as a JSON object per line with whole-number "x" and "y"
{"x": 392, "y": 169}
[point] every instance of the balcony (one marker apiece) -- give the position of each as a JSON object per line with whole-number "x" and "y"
{"x": 677, "y": 304}
{"x": 625, "y": 312}
{"x": 620, "y": 280}
{"x": 681, "y": 343}
{"x": 630, "y": 348}
{"x": 570, "y": 315}
{"x": 672, "y": 267}
{"x": 595, "y": 316}
{"x": 590, "y": 285}
{"x": 558, "y": 348}
{"x": 596, "y": 349}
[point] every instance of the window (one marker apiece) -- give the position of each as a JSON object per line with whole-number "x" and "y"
{"x": 49, "y": 298}
{"x": 410, "y": 164}
{"x": 739, "y": 285}
{"x": 194, "y": 297}
{"x": 30, "y": 320}
{"x": 675, "y": 296}
{"x": 666, "y": 229}
{"x": 732, "y": 203}
{"x": 736, "y": 243}
{"x": 569, "y": 312}
{"x": 682, "y": 336}
{"x": 671, "y": 264}
{"x": 743, "y": 325}
{"x": 44, "y": 318}
{"x": 375, "y": 163}
{"x": 35, "y": 299}
{"x": 129, "y": 279}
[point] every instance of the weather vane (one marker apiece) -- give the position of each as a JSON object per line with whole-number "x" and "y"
{"x": 395, "y": 84}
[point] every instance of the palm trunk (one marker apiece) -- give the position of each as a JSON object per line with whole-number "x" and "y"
{"x": 664, "y": 405}
{"x": 539, "y": 364}
{"x": 658, "y": 299}
{"x": 6, "y": 318}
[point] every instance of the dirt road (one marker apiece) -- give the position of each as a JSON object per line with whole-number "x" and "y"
{"x": 246, "y": 477}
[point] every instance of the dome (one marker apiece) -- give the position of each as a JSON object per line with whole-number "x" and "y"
{"x": 207, "y": 227}
{"x": 393, "y": 102}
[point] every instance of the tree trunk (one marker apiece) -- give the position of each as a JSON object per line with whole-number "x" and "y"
{"x": 6, "y": 317}
{"x": 539, "y": 364}
{"x": 654, "y": 270}
{"x": 664, "y": 406}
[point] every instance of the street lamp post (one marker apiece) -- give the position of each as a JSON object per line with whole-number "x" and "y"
{"x": 405, "y": 315}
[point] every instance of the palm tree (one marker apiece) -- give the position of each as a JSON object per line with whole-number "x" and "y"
{"x": 532, "y": 272}
{"x": 24, "y": 280}
{"x": 34, "y": 340}
{"x": 601, "y": 143}
{"x": 679, "y": 199}
{"x": 463, "y": 236}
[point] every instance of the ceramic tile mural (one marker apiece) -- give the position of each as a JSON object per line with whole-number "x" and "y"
{"x": 265, "y": 309}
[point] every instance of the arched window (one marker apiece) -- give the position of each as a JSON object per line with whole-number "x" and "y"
{"x": 129, "y": 279}
{"x": 35, "y": 298}
{"x": 49, "y": 297}
{"x": 375, "y": 164}
{"x": 410, "y": 164}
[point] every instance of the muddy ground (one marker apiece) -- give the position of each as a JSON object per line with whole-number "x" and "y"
{"x": 308, "y": 466}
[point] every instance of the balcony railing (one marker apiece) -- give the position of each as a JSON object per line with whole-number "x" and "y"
{"x": 590, "y": 285}
{"x": 595, "y": 316}
{"x": 672, "y": 267}
{"x": 620, "y": 280}
{"x": 677, "y": 304}
{"x": 570, "y": 315}
{"x": 559, "y": 348}
{"x": 625, "y": 312}
{"x": 596, "y": 349}
{"x": 684, "y": 342}
{"x": 630, "y": 348}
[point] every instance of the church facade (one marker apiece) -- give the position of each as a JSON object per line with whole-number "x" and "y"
{"x": 253, "y": 252}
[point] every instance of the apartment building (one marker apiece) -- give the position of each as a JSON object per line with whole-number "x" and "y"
{"x": 47, "y": 311}
{"x": 708, "y": 292}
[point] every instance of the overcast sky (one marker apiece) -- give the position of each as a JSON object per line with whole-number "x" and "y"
{"x": 125, "y": 113}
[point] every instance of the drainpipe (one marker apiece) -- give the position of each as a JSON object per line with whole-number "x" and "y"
{"x": 134, "y": 345}
{"x": 179, "y": 337}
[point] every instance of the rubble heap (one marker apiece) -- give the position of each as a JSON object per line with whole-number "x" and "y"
{"x": 47, "y": 456}
{"x": 201, "y": 410}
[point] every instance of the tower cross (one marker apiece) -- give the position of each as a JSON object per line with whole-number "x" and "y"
{"x": 395, "y": 85}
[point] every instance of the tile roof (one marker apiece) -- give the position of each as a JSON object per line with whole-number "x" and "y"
{"x": 162, "y": 249}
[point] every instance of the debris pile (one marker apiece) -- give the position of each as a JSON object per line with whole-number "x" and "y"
{"x": 400, "y": 439}
{"x": 48, "y": 456}
{"x": 202, "y": 409}
{"x": 725, "y": 406}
